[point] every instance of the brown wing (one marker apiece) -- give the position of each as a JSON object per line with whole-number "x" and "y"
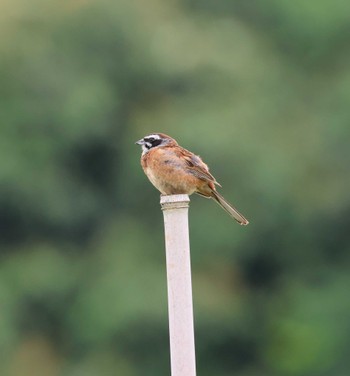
{"x": 197, "y": 167}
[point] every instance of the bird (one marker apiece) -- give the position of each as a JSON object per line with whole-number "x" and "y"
{"x": 174, "y": 170}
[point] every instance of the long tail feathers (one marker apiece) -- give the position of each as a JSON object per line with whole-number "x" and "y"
{"x": 229, "y": 208}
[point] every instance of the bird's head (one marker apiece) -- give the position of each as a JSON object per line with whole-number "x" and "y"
{"x": 154, "y": 140}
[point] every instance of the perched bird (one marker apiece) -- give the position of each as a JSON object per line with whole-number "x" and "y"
{"x": 175, "y": 170}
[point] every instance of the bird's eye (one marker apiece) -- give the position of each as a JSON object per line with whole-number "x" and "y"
{"x": 151, "y": 139}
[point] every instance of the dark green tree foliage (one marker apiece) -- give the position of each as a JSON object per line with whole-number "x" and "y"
{"x": 261, "y": 90}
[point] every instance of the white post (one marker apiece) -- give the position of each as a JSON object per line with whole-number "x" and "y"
{"x": 178, "y": 263}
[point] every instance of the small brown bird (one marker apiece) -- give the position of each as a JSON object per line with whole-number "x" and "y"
{"x": 175, "y": 170}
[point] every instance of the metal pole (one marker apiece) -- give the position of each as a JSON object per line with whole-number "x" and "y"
{"x": 178, "y": 264}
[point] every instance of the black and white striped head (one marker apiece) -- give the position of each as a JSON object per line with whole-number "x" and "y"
{"x": 154, "y": 140}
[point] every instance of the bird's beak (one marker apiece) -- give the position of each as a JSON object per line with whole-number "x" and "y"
{"x": 140, "y": 142}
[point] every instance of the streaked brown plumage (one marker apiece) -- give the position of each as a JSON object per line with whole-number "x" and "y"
{"x": 175, "y": 170}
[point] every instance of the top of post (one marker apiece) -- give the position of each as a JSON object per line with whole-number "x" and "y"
{"x": 174, "y": 201}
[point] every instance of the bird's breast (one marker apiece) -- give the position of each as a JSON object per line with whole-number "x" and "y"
{"x": 167, "y": 172}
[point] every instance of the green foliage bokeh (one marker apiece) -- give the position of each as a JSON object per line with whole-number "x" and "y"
{"x": 261, "y": 90}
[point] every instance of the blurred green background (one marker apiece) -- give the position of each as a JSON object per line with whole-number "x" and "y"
{"x": 261, "y": 90}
